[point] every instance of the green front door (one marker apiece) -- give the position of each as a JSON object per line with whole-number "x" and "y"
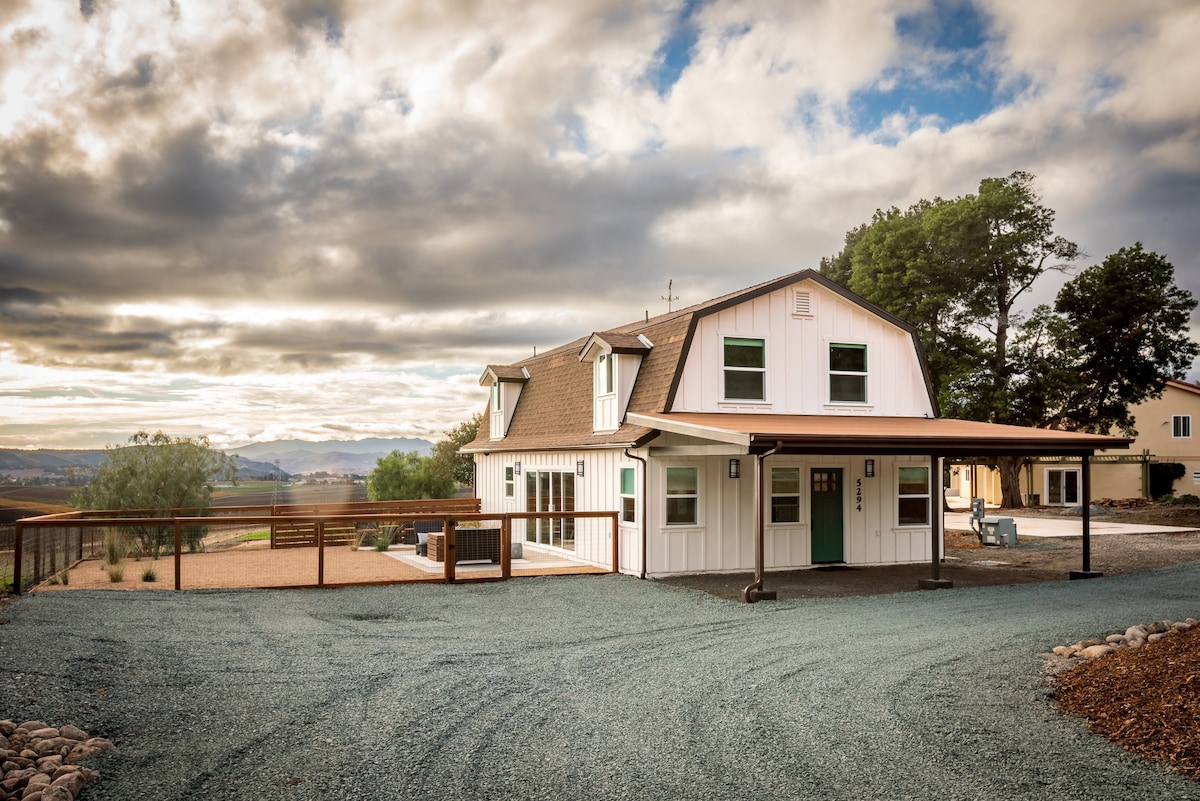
{"x": 826, "y": 505}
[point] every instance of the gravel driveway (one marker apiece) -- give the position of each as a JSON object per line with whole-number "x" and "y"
{"x": 580, "y": 688}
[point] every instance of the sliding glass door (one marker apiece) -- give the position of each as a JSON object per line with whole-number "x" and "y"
{"x": 550, "y": 491}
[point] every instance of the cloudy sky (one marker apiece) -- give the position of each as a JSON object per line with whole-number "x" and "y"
{"x": 258, "y": 219}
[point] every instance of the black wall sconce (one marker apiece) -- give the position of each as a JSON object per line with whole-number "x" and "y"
{"x": 869, "y": 468}
{"x": 579, "y": 468}
{"x": 735, "y": 468}
{"x": 516, "y": 468}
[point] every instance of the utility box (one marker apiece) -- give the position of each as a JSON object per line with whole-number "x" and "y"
{"x": 1000, "y": 531}
{"x": 977, "y": 508}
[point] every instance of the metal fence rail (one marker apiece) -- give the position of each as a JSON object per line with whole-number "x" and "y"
{"x": 245, "y": 550}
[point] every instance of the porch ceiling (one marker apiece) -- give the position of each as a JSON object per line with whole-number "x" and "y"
{"x": 853, "y": 434}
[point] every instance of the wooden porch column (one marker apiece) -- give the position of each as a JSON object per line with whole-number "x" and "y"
{"x": 937, "y": 500}
{"x": 1086, "y": 492}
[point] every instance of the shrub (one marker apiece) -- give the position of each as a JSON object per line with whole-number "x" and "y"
{"x": 64, "y": 578}
{"x": 149, "y": 575}
{"x": 1187, "y": 500}
{"x": 115, "y": 573}
{"x": 1163, "y": 476}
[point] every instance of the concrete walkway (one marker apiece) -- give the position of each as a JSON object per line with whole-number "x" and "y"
{"x": 1068, "y": 526}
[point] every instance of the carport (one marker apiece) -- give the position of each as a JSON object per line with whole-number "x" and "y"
{"x": 767, "y": 435}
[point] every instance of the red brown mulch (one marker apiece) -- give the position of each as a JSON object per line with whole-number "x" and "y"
{"x": 1146, "y": 699}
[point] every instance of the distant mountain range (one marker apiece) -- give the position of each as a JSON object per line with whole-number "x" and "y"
{"x": 333, "y": 456}
{"x": 262, "y": 459}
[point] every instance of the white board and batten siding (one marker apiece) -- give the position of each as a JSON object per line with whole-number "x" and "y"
{"x": 722, "y": 540}
{"x": 597, "y": 490}
{"x": 797, "y": 335}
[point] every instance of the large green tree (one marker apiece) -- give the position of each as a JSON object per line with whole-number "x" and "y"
{"x": 157, "y": 474}
{"x": 450, "y": 465}
{"x": 957, "y": 269}
{"x": 404, "y": 476}
{"x": 1116, "y": 333}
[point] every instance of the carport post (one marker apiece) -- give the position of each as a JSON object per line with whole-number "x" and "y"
{"x": 936, "y": 518}
{"x": 1086, "y": 480}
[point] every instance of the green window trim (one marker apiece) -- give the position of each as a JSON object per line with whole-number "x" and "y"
{"x": 847, "y": 373}
{"x": 912, "y": 496}
{"x": 744, "y": 363}
{"x": 628, "y": 495}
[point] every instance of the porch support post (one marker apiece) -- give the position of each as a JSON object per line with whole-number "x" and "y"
{"x": 936, "y": 519}
{"x": 1086, "y": 491}
{"x": 754, "y": 592}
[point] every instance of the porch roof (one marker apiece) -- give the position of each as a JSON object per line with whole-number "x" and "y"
{"x": 861, "y": 434}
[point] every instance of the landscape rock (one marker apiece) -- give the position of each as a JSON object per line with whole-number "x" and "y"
{"x": 1062, "y": 657}
{"x": 32, "y": 756}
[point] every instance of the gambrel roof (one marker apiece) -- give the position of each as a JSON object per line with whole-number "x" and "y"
{"x": 554, "y": 411}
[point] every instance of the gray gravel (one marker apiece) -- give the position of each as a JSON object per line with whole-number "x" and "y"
{"x": 580, "y": 688}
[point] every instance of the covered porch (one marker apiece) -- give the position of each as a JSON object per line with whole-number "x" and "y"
{"x": 759, "y": 437}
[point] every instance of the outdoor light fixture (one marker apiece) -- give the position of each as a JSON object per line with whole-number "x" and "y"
{"x": 579, "y": 468}
{"x": 516, "y": 468}
{"x": 735, "y": 468}
{"x": 870, "y": 468}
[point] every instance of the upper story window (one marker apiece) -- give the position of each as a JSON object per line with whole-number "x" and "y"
{"x": 785, "y": 494}
{"x": 683, "y": 495}
{"x": 604, "y": 374}
{"x": 847, "y": 373}
{"x": 745, "y": 369}
{"x": 1181, "y": 426}
{"x": 496, "y": 402}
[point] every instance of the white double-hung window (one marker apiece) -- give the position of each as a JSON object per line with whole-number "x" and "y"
{"x": 1181, "y": 426}
{"x": 745, "y": 367}
{"x": 847, "y": 373}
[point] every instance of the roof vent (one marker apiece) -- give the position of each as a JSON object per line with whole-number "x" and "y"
{"x": 803, "y": 304}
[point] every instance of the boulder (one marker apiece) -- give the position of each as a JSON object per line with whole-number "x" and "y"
{"x": 1093, "y": 651}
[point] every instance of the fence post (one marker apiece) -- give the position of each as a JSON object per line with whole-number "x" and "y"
{"x": 451, "y": 552}
{"x": 616, "y": 543}
{"x": 320, "y": 553}
{"x": 178, "y": 554}
{"x": 19, "y": 537}
{"x": 505, "y": 548}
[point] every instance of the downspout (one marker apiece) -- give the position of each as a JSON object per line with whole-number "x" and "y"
{"x": 642, "y": 516}
{"x": 754, "y": 592}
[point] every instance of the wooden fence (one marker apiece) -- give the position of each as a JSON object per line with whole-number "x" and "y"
{"x": 45, "y": 546}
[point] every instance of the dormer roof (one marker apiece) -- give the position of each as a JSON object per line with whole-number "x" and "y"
{"x": 504, "y": 373}
{"x": 613, "y": 342}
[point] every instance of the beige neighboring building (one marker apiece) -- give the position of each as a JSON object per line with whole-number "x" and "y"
{"x": 1166, "y": 433}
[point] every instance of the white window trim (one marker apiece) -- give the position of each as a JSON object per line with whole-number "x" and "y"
{"x": 928, "y": 496}
{"x": 699, "y": 520}
{"x": 1186, "y": 420}
{"x": 497, "y": 397}
{"x": 830, "y": 372}
{"x": 606, "y": 375}
{"x": 1064, "y": 470}
{"x": 510, "y": 482}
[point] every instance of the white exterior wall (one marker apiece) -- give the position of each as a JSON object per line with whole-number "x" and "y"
{"x": 510, "y": 393}
{"x": 797, "y": 357}
{"x": 723, "y": 539}
{"x": 597, "y": 490}
{"x": 608, "y": 409}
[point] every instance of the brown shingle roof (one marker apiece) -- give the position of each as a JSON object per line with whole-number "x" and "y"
{"x": 555, "y": 407}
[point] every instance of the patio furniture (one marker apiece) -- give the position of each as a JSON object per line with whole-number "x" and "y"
{"x": 472, "y": 544}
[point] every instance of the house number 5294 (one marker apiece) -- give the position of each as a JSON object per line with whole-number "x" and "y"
{"x": 858, "y": 495}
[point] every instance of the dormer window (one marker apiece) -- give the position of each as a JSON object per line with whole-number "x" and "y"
{"x": 604, "y": 374}
{"x": 745, "y": 369}
{"x": 497, "y": 404}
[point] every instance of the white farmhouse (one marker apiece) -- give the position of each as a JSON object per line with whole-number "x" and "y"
{"x": 783, "y": 426}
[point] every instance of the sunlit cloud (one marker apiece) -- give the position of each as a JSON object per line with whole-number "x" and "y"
{"x": 265, "y": 219}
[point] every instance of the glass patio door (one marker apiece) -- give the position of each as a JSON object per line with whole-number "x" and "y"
{"x": 550, "y": 491}
{"x": 1062, "y": 487}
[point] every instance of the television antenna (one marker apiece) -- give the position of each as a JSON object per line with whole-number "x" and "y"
{"x": 669, "y": 298}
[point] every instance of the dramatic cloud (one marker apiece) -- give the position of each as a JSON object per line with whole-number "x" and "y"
{"x": 319, "y": 218}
